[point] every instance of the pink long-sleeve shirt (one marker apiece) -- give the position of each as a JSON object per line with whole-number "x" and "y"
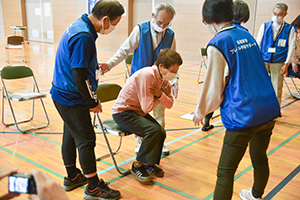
{"x": 136, "y": 96}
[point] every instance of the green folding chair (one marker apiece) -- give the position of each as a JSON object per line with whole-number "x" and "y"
{"x": 19, "y": 73}
{"x": 106, "y": 93}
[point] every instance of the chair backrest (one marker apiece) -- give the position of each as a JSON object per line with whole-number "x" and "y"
{"x": 15, "y": 40}
{"x": 16, "y": 71}
{"x": 203, "y": 52}
{"x": 107, "y": 92}
{"x": 129, "y": 59}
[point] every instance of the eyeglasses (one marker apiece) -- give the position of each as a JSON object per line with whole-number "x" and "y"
{"x": 161, "y": 24}
{"x": 278, "y": 14}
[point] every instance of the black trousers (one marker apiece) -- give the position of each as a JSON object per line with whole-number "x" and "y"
{"x": 234, "y": 147}
{"x": 78, "y": 134}
{"x": 147, "y": 127}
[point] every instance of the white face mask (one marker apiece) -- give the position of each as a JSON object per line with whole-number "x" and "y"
{"x": 107, "y": 31}
{"x": 158, "y": 28}
{"x": 212, "y": 29}
{"x": 277, "y": 20}
{"x": 169, "y": 75}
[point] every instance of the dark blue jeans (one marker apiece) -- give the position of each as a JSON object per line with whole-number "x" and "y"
{"x": 147, "y": 127}
{"x": 234, "y": 146}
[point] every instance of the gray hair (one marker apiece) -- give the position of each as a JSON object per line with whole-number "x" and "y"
{"x": 163, "y": 6}
{"x": 281, "y": 6}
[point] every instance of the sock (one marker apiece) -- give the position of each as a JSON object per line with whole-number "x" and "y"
{"x": 93, "y": 182}
{"x": 207, "y": 119}
{"x": 72, "y": 171}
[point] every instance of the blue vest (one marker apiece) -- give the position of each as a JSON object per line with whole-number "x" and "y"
{"x": 280, "y": 43}
{"x": 249, "y": 97}
{"x": 144, "y": 55}
{"x": 238, "y": 25}
{"x": 64, "y": 90}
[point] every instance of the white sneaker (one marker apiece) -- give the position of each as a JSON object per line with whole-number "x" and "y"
{"x": 247, "y": 195}
{"x": 165, "y": 150}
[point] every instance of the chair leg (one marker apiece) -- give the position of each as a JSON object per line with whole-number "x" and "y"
{"x": 288, "y": 88}
{"x": 7, "y": 55}
{"x": 109, "y": 148}
{"x": 113, "y": 152}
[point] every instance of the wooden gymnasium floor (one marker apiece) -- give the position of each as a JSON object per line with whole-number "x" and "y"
{"x": 190, "y": 169}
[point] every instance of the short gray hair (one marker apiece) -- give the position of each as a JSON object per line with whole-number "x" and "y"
{"x": 163, "y": 6}
{"x": 281, "y": 6}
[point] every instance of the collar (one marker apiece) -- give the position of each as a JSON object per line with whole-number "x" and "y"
{"x": 85, "y": 18}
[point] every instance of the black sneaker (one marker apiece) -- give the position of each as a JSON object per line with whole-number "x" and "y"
{"x": 70, "y": 184}
{"x": 154, "y": 170}
{"x": 101, "y": 192}
{"x": 140, "y": 173}
{"x": 207, "y": 128}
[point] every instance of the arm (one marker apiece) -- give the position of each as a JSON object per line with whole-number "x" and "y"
{"x": 163, "y": 94}
{"x": 260, "y": 35}
{"x": 80, "y": 76}
{"x": 290, "y": 54}
{"x": 216, "y": 79}
{"x": 81, "y": 51}
{"x": 130, "y": 44}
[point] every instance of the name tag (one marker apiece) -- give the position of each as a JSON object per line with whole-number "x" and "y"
{"x": 271, "y": 50}
{"x": 281, "y": 42}
{"x": 98, "y": 74}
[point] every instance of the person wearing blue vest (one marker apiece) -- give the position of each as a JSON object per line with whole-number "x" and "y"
{"x": 248, "y": 104}
{"x": 241, "y": 14}
{"x": 75, "y": 77}
{"x": 276, "y": 39}
{"x": 146, "y": 41}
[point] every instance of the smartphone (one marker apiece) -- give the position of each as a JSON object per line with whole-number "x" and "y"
{"x": 21, "y": 183}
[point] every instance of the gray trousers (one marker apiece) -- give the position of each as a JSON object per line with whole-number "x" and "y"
{"x": 149, "y": 129}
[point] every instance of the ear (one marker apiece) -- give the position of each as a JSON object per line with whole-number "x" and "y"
{"x": 152, "y": 15}
{"x": 284, "y": 15}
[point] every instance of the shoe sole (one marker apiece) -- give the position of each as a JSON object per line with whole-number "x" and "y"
{"x": 69, "y": 188}
{"x": 157, "y": 175}
{"x": 89, "y": 197}
{"x": 143, "y": 181}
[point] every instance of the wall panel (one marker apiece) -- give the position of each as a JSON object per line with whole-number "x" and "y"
{"x": 11, "y": 15}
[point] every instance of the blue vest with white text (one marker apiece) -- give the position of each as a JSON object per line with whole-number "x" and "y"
{"x": 280, "y": 44}
{"x": 64, "y": 90}
{"x": 249, "y": 98}
{"x": 144, "y": 55}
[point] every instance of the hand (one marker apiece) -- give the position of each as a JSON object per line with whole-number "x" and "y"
{"x": 97, "y": 109}
{"x": 47, "y": 188}
{"x": 175, "y": 89}
{"x": 166, "y": 87}
{"x": 103, "y": 68}
{"x": 196, "y": 120}
{"x": 284, "y": 70}
{"x": 5, "y": 171}
{"x": 155, "y": 90}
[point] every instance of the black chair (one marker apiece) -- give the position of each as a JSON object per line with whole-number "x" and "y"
{"x": 15, "y": 42}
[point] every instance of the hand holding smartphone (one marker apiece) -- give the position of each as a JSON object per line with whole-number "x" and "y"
{"x": 21, "y": 183}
